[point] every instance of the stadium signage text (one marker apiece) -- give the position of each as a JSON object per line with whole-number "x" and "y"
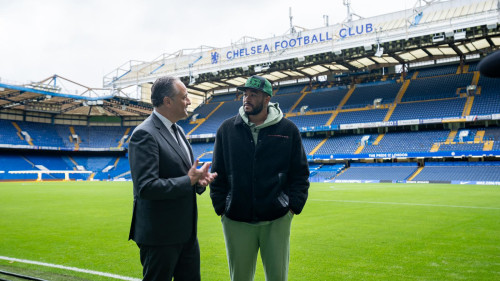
{"x": 357, "y": 30}
{"x": 279, "y": 45}
{"x": 300, "y": 40}
{"x": 387, "y": 155}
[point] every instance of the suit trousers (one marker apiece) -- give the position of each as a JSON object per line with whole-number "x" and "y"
{"x": 243, "y": 241}
{"x": 180, "y": 261}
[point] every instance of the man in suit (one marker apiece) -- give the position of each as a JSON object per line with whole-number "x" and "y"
{"x": 166, "y": 180}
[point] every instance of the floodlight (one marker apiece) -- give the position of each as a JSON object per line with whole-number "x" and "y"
{"x": 192, "y": 80}
{"x": 368, "y": 47}
{"x": 459, "y": 35}
{"x": 301, "y": 58}
{"x": 380, "y": 51}
{"x": 449, "y": 33}
{"x": 438, "y": 38}
{"x": 491, "y": 26}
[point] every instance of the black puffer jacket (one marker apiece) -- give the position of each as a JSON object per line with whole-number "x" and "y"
{"x": 259, "y": 182}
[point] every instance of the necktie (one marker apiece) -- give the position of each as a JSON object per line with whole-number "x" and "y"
{"x": 176, "y": 134}
{"x": 182, "y": 145}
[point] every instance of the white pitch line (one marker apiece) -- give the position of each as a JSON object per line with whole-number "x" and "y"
{"x": 72, "y": 269}
{"x": 408, "y": 204}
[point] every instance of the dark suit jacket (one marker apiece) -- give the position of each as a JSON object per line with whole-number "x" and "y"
{"x": 165, "y": 209}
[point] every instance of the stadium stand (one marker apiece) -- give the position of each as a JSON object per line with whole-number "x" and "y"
{"x": 460, "y": 171}
{"x": 202, "y": 151}
{"x": 323, "y": 99}
{"x": 437, "y": 71}
{"x": 406, "y": 142}
{"x": 382, "y": 171}
{"x": 323, "y": 173}
{"x": 210, "y": 126}
{"x": 286, "y": 101}
{"x": 429, "y": 109}
{"x": 295, "y": 89}
{"x": 224, "y": 97}
{"x": 365, "y": 94}
{"x": 436, "y": 93}
{"x": 9, "y": 134}
{"x": 430, "y": 88}
{"x": 310, "y": 120}
{"x": 487, "y": 101}
{"x": 342, "y": 144}
{"x": 15, "y": 162}
{"x": 360, "y": 116}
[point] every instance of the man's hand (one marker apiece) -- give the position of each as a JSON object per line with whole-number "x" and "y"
{"x": 201, "y": 175}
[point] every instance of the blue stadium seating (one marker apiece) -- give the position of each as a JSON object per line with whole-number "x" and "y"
{"x": 437, "y": 87}
{"x": 310, "y": 143}
{"x": 310, "y": 120}
{"x": 487, "y": 102}
{"x": 99, "y": 136}
{"x": 433, "y": 94}
{"x": 462, "y": 171}
{"x": 285, "y": 101}
{"x": 224, "y": 97}
{"x": 361, "y": 116}
{"x": 121, "y": 168}
{"x": 406, "y": 142}
{"x": 378, "y": 171}
{"x": 340, "y": 144}
{"x": 295, "y": 89}
{"x": 365, "y": 94}
{"x": 199, "y": 148}
{"x": 473, "y": 66}
{"x": 8, "y": 134}
{"x": 326, "y": 172}
{"x": 210, "y": 126}
{"x": 437, "y": 71}
{"x": 13, "y": 162}
{"x": 429, "y": 109}
{"x": 323, "y": 99}
{"x": 204, "y": 109}
{"x": 42, "y": 134}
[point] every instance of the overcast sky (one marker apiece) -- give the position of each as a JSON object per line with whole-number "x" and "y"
{"x": 83, "y": 40}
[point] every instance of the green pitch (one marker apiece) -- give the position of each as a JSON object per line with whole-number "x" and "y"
{"x": 346, "y": 232}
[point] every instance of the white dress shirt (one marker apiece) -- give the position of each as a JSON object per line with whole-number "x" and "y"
{"x": 168, "y": 124}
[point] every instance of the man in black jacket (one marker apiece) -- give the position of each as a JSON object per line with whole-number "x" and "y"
{"x": 262, "y": 182}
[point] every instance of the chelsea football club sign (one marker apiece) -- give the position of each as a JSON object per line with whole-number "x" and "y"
{"x": 279, "y": 45}
{"x": 284, "y": 43}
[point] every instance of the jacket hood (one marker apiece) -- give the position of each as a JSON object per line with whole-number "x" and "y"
{"x": 274, "y": 115}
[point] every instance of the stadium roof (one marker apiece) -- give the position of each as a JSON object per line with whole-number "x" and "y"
{"x": 439, "y": 29}
{"x": 45, "y": 97}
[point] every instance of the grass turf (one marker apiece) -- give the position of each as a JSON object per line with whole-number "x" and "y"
{"x": 346, "y": 232}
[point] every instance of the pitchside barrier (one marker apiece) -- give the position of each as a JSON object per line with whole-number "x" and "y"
{"x": 40, "y": 173}
{"x": 404, "y": 181}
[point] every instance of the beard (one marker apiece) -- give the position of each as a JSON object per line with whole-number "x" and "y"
{"x": 255, "y": 109}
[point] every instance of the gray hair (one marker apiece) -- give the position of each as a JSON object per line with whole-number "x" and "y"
{"x": 163, "y": 87}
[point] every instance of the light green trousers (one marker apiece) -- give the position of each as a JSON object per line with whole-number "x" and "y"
{"x": 243, "y": 241}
